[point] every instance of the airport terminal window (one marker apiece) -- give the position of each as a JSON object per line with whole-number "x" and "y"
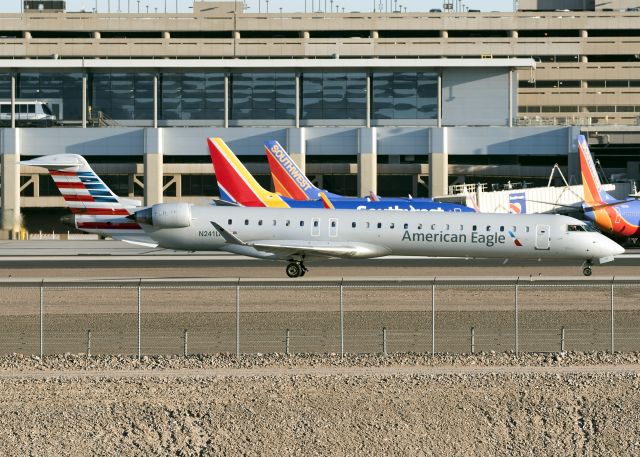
{"x": 5, "y": 86}
{"x": 198, "y": 185}
{"x": 263, "y": 96}
{"x": 187, "y": 96}
{"x": 119, "y": 184}
{"x": 62, "y": 91}
{"x": 124, "y": 96}
{"x": 406, "y": 95}
{"x": 334, "y": 95}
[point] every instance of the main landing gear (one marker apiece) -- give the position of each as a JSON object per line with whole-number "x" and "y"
{"x": 586, "y": 269}
{"x": 296, "y": 269}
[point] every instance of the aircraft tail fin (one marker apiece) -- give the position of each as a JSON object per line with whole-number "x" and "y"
{"x": 289, "y": 180}
{"x": 83, "y": 190}
{"x": 591, "y": 185}
{"x": 235, "y": 183}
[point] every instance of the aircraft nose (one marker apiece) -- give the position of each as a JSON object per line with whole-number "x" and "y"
{"x": 608, "y": 247}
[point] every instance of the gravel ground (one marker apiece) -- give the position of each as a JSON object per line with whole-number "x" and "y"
{"x": 527, "y": 406}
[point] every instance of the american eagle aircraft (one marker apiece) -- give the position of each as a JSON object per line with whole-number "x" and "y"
{"x": 237, "y": 185}
{"x": 307, "y": 234}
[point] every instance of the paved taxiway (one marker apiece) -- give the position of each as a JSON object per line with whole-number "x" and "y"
{"x": 118, "y": 259}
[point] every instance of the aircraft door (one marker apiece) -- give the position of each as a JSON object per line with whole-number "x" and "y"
{"x": 333, "y": 227}
{"x": 315, "y": 226}
{"x": 543, "y": 237}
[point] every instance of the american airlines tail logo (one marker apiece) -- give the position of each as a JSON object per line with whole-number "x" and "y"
{"x": 516, "y": 241}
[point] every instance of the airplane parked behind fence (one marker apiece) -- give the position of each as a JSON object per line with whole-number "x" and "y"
{"x": 309, "y": 234}
{"x": 94, "y": 207}
{"x": 237, "y": 185}
{"x": 618, "y": 217}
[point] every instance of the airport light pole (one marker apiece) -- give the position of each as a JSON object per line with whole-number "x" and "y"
{"x": 138, "y": 6}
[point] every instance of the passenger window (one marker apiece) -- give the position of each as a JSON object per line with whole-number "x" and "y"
{"x": 461, "y": 227}
{"x": 333, "y": 223}
{"x": 526, "y": 229}
{"x": 367, "y": 224}
{"x": 513, "y": 229}
{"x": 229, "y": 222}
{"x": 488, "y": 228}
{"x": 406, "y": 226}
{"x": 379, "y": 224}
{"x": 474, "y": 228}
{"x": 301, "y": 223}
{"x": 433, "y": 226}
{"x": 32, "y": 109}
{"x": 315, "y": 223}
{"x": 353, "y": 224}
{"x": 419, "y": 226}
{"x": 274, "y": 223}
{"x": 246, "y": 222}
{"x": 287, "y": 223}
{"x": 447, "y": 227}
{"x": 392, "y": 225}
{"x": 260, "y": 222}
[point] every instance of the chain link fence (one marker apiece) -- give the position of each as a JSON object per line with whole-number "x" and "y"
{"x": 153, "y": 317}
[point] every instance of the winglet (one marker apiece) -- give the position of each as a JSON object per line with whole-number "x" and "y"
{"x": 325, "y": 201}
{"x": 228, "y": 237}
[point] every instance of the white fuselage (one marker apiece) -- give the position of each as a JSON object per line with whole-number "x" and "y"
{"x": 379, "y": 233}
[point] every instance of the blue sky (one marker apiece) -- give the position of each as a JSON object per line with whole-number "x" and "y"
{"x": 12, "y": 6}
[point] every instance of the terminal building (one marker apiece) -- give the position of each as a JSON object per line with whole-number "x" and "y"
{"x": 392, "y": 102}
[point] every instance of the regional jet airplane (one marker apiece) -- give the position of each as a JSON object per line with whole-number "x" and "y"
{"x": 94, "y": 207}
{"x": 308, "y": 234}
{"x": 237, "y": 185}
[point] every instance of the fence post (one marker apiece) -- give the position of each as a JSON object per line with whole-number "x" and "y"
{"x": 139, "y": 319}
{"x": 384, "y": 341}
{"x": 562, "y": 335}
{"x": 341, "y": 319}
{"x": 473, "y": 340}
{"x": 41, "y": 319}
{"x": 89, "y": 343}
{"x": 238, "y": 319}
{"x": 186, "y": 342}
{"x": 433, "y": 317}
{"x": 516, "y": 315}
{"x": 612, "y": 334}
{"x": 286, "y": 342}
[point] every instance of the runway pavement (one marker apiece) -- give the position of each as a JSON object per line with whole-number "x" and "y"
{"x": 98, "y": 259}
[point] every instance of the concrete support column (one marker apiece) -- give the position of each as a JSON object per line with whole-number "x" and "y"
{"x": 10, "y": 191}
{"x": 166, "y": 35}
{"x": 367, "y": 161}
{"x": 439, "y": 163}
{"x": 514, "y": 34}
{"x": 84, "y": 100}
{"x": 226, "y": 100}
{"x": 26, "y": 35}
{"x": 375, "y": 34}
{"x": 584, "y": 59}
{"x": 510, "y": 98}
{"x": 444, "y": 34}
{"x": 155, "y": 100}
{"x": 96, "y": 35}
{"x": 305, "y": 35}
{"x": 153, "y": 151}
{"x": 236, "y": 34}
{"x": 297, "y": 146}
{"x": 584, "y": 34}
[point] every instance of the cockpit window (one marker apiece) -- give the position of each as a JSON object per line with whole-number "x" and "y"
{"x": 576, "y": 228}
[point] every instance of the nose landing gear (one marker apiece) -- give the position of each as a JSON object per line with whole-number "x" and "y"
{"x": 295, "y": 269}
{"x": 586, "y": 268}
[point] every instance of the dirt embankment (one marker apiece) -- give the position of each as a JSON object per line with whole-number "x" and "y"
{"x": 573, "y": 404}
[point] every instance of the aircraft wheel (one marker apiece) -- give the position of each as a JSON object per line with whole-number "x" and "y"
{"x": 587, "y": 271}
{"x": 294, "y": 270}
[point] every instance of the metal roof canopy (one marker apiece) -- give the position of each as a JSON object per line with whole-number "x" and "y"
{"x": 268, "y": 64}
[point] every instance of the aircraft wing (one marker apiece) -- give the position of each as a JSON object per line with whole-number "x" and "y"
{"x": 296, "y": 248}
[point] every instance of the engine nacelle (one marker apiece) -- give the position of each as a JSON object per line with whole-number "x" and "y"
{"x": 165, "y": 215}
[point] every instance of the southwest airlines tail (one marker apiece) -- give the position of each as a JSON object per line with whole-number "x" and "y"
{"x": 235, "y": 182}
{"x": 288, "y": 179}
{"x": 593, "y": 193}
{"x": 95, "y": 208}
